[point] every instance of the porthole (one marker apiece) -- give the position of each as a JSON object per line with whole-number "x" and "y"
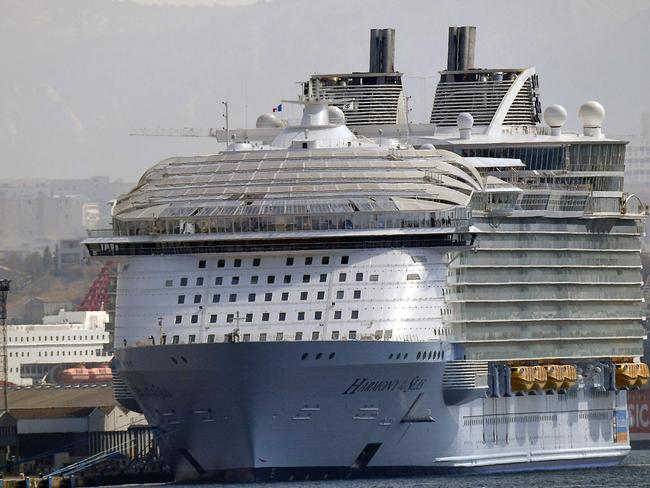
{"x": 183, "y": 359}
{"x": 399, "y": 355}
{"x": 390, "y": 356}
{"x": 174, "y": 360}
{"x": 319, "y": 355}
{"x": 430, "y": 354}
{"x": 419, "y": 355}
{"x": 332, "y": 354}
{"x": 304, "y": 356}
{"x": 406, "y": 354}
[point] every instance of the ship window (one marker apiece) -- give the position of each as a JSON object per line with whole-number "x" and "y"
{"x": 218, "y": 280}
{"x": 354, "y": 314}
{"x": 374, "y": 277}
{"x": 325, "y": 260}
{"x": 345, "y": 259}
{"x": 323, "y": 278}
{"x": 318, "y": 315}
{"x": 237, "y": 263}
{"x": 332, "y": 354}
{"x": 202, "y": 263}
{"x": 340, "y": 294}
{"x": 282, "y": 316}
{"x": 308, "y": 260}
{"x": 256, "y": 262}
{"x": 175, "y": 340}
{"x": 289, "y": 261}
{"x": 287, "y": 278}
{"x": 230, "y": 317}
{"x": 221, "y": 263}
{"x": 251, "y": 297}
{"x": 169, "y": 283}
{"x": 388, "y": 334}
{"x": 303, "y": 295}
{"x": 320, "y": 295}
{"x": 301, "y": 315}
{"x": 216, "y": 298}
{"x": 254, "y": 280}
{"x": 183, "y": 281}
{"x": 265, "y": 317}
{"x": 335, "y": 335}
{"x": 342, "y": 276}
{"x": 235, "y": 280}
{"x": 199, "y": 281}
{"x": 195, "y": 319}
{"x": 197, "y": 298}
{"x": 419, "y": 259}
{"x": 268, "y": 297}
{"x": 379, "y": 334}
{"x": 359, "y": 277}
{"x": 232, "y": 297}
{"x": 298, "y": 337}
{"x": 337, "y": 314}
{"x": 412, "y": 277}
{"x": 270, "y": 279}
{"x": 306, "y": 278}
{"x": 247, "y": 338}
{"x": 285, "y": 296}
{"x": 279, "y": 336}
{"x": 181, "y": 299}
{"x": 315, "y": 335}
{"x": 213, "y": 318}
{"x": 210, "y": 337}
{"x": 249, "y": 317}
{"x": 352, "y": 335}
{"x": 191, "y": 339}
{"x": 357, "y": 294}
{"x": 263, "y": 337}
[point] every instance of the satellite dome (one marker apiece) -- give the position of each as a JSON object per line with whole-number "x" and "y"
{"x": 427, "y": 146}
{"x": 335, "y": 115}
{"x": 591, "y": 114}
{"x": 268, "y": 121}
{"x": 465, "y": 120}
{"x": 555, "y": 115}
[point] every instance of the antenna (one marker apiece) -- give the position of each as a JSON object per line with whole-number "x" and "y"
{"x": 227, "y": 127}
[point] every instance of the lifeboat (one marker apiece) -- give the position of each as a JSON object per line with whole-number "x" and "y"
{"x": 79, "y": 374}
{"x": 626, "y": 374}
{"x": 554, "y": 376}
{"x": 101, "y": 374}
{"x": 522, "y": 378}
{"x": 570, "y": 376}
{"x": 643, "y": 374}
{"x": 540, "y": 377}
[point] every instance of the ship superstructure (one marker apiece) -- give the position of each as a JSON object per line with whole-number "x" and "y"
{"x": 320, "y": 304}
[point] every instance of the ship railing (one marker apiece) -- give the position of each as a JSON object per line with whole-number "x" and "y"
{"x": 100, "y": 232}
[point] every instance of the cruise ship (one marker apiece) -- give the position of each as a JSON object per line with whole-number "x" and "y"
{"x": 333, "y": 302}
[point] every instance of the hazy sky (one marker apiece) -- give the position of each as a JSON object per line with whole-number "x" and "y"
{"x": 79, "y": 75}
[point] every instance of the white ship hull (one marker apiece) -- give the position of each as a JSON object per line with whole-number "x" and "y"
{"x": 259, "y": 411}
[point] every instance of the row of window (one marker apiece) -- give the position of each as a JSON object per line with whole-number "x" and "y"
{"x": 270, "y": 279}
{"x": 54, "y": 338}
{"x": 279, "y": 336}
{"x": 268, "y": 297}
{"x": 265, "y": 317}
{"x": 309, "y": 260}
{"x": 91, "y": 352}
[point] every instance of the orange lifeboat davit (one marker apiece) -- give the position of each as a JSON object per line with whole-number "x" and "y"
{"x": 627, "y": 374}
{"x": 80, "y": 374}
{"x": 522, "y": 378}
{"x": 554, "y": 376}
{"x": 643, "y": 374}
{"x": 101, "y": 374}
{"x": 540, "y": 377}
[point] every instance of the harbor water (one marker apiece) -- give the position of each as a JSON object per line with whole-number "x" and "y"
{"x": 634, "y": 473}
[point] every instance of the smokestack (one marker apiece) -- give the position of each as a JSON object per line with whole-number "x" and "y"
{"x": 382, "y": 51}
{"x": 461, "y": 47}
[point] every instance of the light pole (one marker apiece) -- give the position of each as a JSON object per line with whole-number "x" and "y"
{"x": 4, "y": 291}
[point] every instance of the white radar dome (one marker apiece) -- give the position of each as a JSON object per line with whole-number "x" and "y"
{"x": 591, "y": 114}
{"x": 268, "y": 121}
{"x": 555, "y": 115}
{"x": 465, "y": 120}
{"x": 335, "y": 115}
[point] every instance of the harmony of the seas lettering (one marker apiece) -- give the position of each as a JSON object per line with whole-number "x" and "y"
{"x": 367, "y": 385}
